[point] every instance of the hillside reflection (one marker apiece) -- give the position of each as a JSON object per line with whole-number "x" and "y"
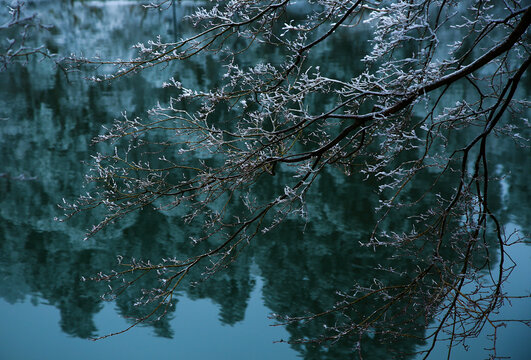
{"x": 46, "y": 127}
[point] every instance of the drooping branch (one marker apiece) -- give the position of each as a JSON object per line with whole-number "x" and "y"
{"x": 212, "y": 171}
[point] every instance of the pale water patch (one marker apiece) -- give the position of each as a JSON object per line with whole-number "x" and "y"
{"x": 32, "y": 332}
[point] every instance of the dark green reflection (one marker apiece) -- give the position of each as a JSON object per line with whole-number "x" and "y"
{"x": 45, "y": 131}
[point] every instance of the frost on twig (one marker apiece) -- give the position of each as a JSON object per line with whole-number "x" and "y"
{"x": 17, "y": 30}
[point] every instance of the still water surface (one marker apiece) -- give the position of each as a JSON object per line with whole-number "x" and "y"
{"x": 47, "y": 121}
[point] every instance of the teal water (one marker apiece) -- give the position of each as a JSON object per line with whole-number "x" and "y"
{"x": 31, "y": 331}
{"x": 46, "y": 123}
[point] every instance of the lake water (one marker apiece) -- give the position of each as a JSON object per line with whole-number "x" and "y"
{"x": 46, "y": 123}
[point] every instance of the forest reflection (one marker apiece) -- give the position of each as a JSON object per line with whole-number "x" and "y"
{"x": 47, "y": 122}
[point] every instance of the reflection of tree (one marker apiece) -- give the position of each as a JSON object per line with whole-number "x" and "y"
{"x": 231, "y": 290}
{"x": 327, "y": 260}
{"x": 50, "y": 268}
{"x": 301, "y": 276}
{"x": 47, "y": 121}
{"x": 298, "y": 273}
